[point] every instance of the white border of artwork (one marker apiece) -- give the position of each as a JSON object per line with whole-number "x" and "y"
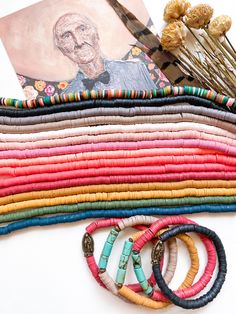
{"x": 9, "y": 7}
{"x": 9, "y": 83}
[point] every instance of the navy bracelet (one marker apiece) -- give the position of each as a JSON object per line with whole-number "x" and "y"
{"x": 156, "y": 258}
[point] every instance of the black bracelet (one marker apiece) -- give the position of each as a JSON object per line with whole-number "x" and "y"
{"x": 212, "y": 293}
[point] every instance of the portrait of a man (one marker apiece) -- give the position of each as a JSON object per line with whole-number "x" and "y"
{"x": 64, "y": 46}
{"x": 77, "y": 38}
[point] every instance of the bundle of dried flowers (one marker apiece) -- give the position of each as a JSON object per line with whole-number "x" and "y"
{"x": 212, "y": 58}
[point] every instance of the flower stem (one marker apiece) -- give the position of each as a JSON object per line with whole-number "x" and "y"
{"x": 226, "y": 75}
{"x": 209, "y": 72}
{"x": 198, "y": 40}
{"x": 221, "y": 49}
{"x": 201, "y": 77}
{"x": 226, "y": 46}
{"x": 229, "y": 42}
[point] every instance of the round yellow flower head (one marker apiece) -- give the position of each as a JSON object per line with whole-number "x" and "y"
{"x": 199, "y": 16}
{"x": 173, "y": 36}
{"x": 220, "y": 25}
{"x": 175, "y": 9}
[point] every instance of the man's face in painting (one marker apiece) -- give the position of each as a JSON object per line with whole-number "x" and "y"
{"x": 77, "y": 38}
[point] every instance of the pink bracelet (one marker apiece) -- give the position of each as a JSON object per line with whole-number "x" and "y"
{"x": 169, "y": 161}
{"x": 120, "y": 137}
{"x": 162, "y": 171}
{"x": 71, "y": 179}
{"x": 154, "y": 152}
{"x": 164, "y": 129}
{"x": 114, "y": 146}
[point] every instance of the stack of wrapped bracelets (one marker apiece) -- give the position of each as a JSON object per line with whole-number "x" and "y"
{"x": 130, "y": 154}
{"x": 157, "y": 294}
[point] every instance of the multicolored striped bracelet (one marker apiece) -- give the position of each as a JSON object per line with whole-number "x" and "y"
{"x": 125, "y": 94}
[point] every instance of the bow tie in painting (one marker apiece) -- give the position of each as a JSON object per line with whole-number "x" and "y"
{"x": 103, "y": 78}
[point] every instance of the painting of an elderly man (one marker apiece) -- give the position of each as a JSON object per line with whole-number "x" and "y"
{"x": 76, "y": 36}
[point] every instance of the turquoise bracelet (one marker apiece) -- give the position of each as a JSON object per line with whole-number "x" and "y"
{"x": 107, "y": 248}
{"x": 124, "y": 259}
{"x": 126, "y": 253}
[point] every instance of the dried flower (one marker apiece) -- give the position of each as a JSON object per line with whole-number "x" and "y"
{"x": 175, "y": 9}
{"x": 199, "y": 16}
{"x": 173, "y": 36}
{"x": 212, "y": 62}
{"x": 220, "y": 25}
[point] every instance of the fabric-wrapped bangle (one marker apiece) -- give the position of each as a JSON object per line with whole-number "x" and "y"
{"x": 148, "y": 235}
{"x": 215, "y": 289}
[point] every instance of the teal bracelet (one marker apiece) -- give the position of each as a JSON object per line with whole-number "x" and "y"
{"x": 124, "y": 259}
{"x": 147, "y": 288}
{"x": 107, "y": 248}
{"x": 99, "y": 271}
{"x": 126, "y": 253}
{"x": 113, "y": 234}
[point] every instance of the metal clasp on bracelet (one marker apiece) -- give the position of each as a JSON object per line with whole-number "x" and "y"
{"x": 88, "y": 244}
{"x": 157, "y": 252}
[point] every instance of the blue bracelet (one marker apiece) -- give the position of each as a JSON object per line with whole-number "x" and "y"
{"x": 77, "y": 208}
{"x": 66, "y": 218}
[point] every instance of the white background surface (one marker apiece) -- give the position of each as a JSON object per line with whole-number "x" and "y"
{"x": 43, "y": 271}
